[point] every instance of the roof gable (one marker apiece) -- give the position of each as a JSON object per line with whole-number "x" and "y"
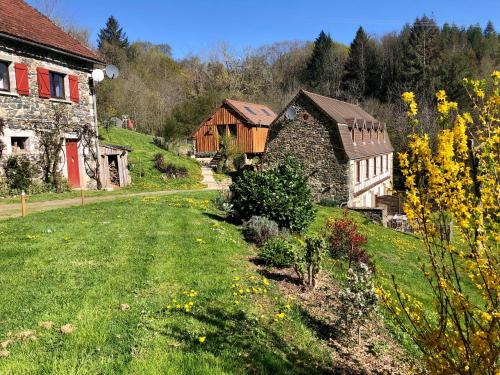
{"x": 20, "y": 20}
{"x": 346, "y": 116}
{"x": 255, "y": 114}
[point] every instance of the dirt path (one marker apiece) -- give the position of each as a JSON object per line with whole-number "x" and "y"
{"x": 8, "y": 211}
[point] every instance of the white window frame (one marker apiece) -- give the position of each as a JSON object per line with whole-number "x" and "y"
{"x": 10, "y": 60}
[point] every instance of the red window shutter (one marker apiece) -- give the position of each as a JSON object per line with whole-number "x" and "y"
{"x": 73, "y": 89}
{"x": 43, "y": 82}
{"x": 22, "y": 82}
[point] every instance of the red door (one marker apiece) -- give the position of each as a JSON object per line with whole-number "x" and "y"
{"x": 72, "y": 161}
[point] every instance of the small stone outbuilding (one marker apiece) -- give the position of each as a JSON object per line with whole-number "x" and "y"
{"x": 346, "y": 152}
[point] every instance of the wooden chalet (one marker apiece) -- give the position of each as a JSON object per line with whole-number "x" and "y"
{"x": 248, "y": 123}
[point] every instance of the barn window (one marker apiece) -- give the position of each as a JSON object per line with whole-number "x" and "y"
{"x": 4, "y": 76}
{"x": 233, "y": 130}
{"x": 57, "y": 85}
{"x": 250, "y": 110}
{"x": 19, "y": 145}
{"x": 221, "y": 130}
{"x": 358, "y": 171}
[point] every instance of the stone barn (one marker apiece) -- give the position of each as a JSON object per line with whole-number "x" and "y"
{"x": 346, "y": 152}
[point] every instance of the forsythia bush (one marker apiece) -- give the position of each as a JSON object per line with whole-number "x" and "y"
{"x": 453, "y": 202}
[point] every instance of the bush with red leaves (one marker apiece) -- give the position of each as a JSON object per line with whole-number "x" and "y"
{"x": 345, "y": 241}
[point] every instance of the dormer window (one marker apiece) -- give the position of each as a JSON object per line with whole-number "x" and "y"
{"x": 4, "y": 76}
{"x": 57, "y": 85}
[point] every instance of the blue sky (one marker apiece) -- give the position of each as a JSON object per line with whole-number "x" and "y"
{"x": 196, "y": 26}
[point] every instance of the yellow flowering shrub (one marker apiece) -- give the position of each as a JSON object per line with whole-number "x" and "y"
{"x": 452, "y": 200}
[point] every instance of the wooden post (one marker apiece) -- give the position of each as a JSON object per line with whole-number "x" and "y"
{"x": 23, "y": 204}
{"x": 82, "y": 196}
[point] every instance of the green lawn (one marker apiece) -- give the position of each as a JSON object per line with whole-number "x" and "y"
{"x": 77, "y": 266}
{"x": 140, "y": 159}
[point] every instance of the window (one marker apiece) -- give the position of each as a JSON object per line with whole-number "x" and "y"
{"x": 57, "y": 85}
{"x": 367, "y": 168}
{"x": 375, "y": 166}
{"x": 19, "y": 145}
{"x": 266, "y": 112}
{"x": 233, "y": 131}
{"x": 250, "y": 110}
{"x": 358, "y": 171}
{"x": 362, "y": 135}
{"x": 4, "y": 76}
{"x": 381, "y": 165}
{"x": 386, "y": 162}
{"x": 352, "y": 134}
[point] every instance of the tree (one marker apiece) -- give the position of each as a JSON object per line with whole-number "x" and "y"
{"x": 113, "y": 35}
{"x": 422, "y": 56}
{"x": 361, "y": 68}
{"x": 454, "y": 192}
{"x": 325, "y": 68}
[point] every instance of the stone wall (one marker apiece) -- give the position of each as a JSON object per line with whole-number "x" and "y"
{"x": 313, "y": 139}
{"x": 21, "y": 113}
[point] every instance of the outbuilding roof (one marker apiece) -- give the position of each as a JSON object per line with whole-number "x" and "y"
{"x": 20, "y": 20}
{"x": 255, "y": 114}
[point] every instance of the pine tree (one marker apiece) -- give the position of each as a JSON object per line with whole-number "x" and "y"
{"x": 112, "y": 35}
{"x": 316, "y": 66}
{"x": 422, "y": 57}
{"x": 489, "y": 30}
{"x": 362, "y": 70}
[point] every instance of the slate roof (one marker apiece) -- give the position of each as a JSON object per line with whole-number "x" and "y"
{"x": 20, "y": 20}
{"x": 346, "y": 116}
{"x": 255, "y": 114}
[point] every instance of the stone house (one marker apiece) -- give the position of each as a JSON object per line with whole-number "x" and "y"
{"x": 43, "y": 67}
{"x": 346, "y": 153}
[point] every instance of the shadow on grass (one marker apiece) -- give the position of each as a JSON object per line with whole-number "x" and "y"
{"x": 249, "y": 345}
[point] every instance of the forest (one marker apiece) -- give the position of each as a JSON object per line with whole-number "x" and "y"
{"x": 170, "y": 97}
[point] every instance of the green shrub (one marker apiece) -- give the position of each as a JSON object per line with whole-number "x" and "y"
{"x": 259, "y": 229}
{"x": 309, "y": 258}
{"x": 280, "y": 194}
{"x": 278, "y": 252}
{"x": 20, "y": 173}
{"x": 223, "y": 202}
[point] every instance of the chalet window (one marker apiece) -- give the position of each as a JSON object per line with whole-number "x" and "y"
{"x": 19, "y": 145}
{"x": 233, "y": 131}
{"x": 4, "y": 76}
{"x": 57, "y": 85}
{"x": 375, "y": 166}
{"x": 358, "y": 171}
{"x": 221, "y": 130}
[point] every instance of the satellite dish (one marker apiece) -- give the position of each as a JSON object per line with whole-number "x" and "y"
{"x": 290, "y": 114}
{"x": 112, "y": 71}
{"x": 97, "y": 75}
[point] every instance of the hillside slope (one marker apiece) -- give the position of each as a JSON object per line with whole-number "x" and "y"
{"x": 141, "y": 159}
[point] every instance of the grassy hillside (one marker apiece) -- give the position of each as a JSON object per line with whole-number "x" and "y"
{"x": 117, "y": 277}
{"x": 141, "y": 159}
